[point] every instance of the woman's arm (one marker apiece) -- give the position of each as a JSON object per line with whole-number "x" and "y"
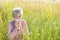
{"x": 26, "y": 27}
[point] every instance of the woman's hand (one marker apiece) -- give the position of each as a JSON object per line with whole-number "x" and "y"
{"x": 17, "y": 25}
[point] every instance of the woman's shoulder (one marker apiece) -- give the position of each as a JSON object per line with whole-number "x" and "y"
{"x": 24, "y": 21}
{"x": 10, "y": 21}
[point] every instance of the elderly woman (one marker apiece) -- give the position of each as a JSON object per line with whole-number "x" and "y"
{"x": 17, "y": 26}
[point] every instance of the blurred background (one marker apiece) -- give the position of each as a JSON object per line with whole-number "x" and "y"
{"x": 42, "y": 16}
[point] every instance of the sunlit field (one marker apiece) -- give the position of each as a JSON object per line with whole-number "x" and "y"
{"x": 43, "y": 19}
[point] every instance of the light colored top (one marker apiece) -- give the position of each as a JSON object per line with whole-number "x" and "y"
{"x": 12, "y": 32}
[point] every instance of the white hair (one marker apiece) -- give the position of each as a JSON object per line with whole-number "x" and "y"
{"x": 17, "y": 10}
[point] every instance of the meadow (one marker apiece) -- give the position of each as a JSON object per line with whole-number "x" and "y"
{"x": 43, "y": 19}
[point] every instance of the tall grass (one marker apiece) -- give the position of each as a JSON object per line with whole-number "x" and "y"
{"x": 43, "y": 21}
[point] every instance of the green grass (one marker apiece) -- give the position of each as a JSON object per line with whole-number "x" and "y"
{"x": 43, "y": 23}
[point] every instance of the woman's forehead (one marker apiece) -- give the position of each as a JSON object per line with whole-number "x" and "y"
{"x": 19, "y": 14}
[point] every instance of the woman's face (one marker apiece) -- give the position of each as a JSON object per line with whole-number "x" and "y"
{"x": 18, "y": 16}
